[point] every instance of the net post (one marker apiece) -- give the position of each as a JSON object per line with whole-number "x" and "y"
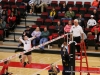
{"x": 72, "y": 58}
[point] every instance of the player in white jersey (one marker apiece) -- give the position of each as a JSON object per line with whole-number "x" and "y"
{"x": 27, "y": 46}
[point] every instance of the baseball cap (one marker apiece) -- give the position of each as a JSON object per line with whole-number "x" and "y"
{"x": 92, "y": 16}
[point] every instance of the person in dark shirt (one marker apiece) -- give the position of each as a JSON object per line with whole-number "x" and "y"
{"x": 25, "y": 2}
{"x": 95, "y": 14}
{"x": 65, "y": 58}
{"x": 59, "y": 28}
{"x": 81, "y": 21}
{"x": 63, "y": 8}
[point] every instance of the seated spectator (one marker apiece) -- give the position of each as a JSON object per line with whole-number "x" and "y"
{"x": 54, "y": 70}
{"x": 44, "y": 37}
{"x": 69, "y": 15}
{"x": 25, "y": 2}
{"x": 95, "y": 14}
{"x": 68, "y": 27}
{"x": 53, "y": 14}
{"x": 36, "y": 33}
{"x": 81, "y": 21}
{"x": 2, "y": 24}
{"x": 44, "y": 3}
{"x": 91, "y": 22}
{"x": 4, "y": 15}
{"x": 8, "y": 12}
{"x": 32, "y": 5}
{"x": 63, "y": 8}
{"x": 1, "y": 10}
{"x": 96, "y": 30}
{"x": 59, "y": 28}
{"x": 95, "y": 4}
{"x": 11, "y": 19}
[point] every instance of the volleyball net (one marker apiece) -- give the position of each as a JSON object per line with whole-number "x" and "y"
{"x": 34, "y": 47}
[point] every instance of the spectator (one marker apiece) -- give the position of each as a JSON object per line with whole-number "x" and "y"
{"x": 11, "y": 19}
{"x": 53, "y": 14}
{"x": 43, "y": 3}
{"x": 95, "y": 14}
{"x": 36, "y": 33}
{"x": 68, "y": 27}
{"x": 81, "y": 21}
{"x": 44, "y": 37}
{"x": 69, "y": 15}
{"x": 32, "y": 5}
{"x": 4, "y": 15}
{"x": 2, "y": 24}
{"x": 1, "y": 10}
{"x": 91, "y": 22}
{"x": 59, "y": 28}
{"x": 25, "y": 2}
{"x": 95, "y": 4}
{"x": 63, "y": 8}
{"x": 54, "y": 70}
{"x": 96, "y": 30}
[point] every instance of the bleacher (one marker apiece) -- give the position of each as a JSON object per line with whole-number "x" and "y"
{"x": 42, "y": 20}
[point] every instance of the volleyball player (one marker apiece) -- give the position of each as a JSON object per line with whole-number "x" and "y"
{"x": 65, "y": 59}
{"x": 4, "y": 70}
{"x": 27, "y": 46}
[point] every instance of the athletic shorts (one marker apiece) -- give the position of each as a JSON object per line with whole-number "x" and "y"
{"x": 28, "y": 53}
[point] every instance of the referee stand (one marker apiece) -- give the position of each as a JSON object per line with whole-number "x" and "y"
{"x": 82, "y": 55}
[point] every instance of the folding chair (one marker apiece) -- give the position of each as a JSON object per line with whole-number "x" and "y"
{"x": 65, "y": 22}
{"x": 51, "y": 29}
{"x": 75, "y": 9}
{"x": 44, "y": 15}
{"x": 90, "y": 10}
{"x": 42, "y": 27}
{"x": 82, "y": 10}
{"x": 87, "y": 5}
{"x": 1, "y": 34}
{"x": 39, "y": 21}
{"x": 18, "y": 2}
{"x": 48, "y": 22}
{"x": 48, "y": 9}
{"x": 54, "y": 3}
{"x": 61, "y": 3}
{"x": 55, "y": 21}
{"x": 61, "y": 15}
{"x": 70, "y": 4}
{"x": 79, "y": 4}
{"x": 11, "y": 2}
{"x": 87, "y": 16}
{"x": 57, "y": 9}
{"x": 77, "y": 15}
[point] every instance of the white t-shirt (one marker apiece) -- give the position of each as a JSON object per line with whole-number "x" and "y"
{"x": 27, "y": 43}
{"x": 76, "y": 30}
{"x": 91, "y": 22}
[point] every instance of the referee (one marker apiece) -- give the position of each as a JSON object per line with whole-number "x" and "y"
{"x": 77, "y": 33}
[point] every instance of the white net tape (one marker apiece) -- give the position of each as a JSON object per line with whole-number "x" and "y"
{"x": 35, "y": 47}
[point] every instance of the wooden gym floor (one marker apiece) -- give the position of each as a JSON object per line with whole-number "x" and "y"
{"x": 41, "y": 61}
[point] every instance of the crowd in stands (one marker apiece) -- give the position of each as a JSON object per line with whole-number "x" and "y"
{"x": 58, "y": 18}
